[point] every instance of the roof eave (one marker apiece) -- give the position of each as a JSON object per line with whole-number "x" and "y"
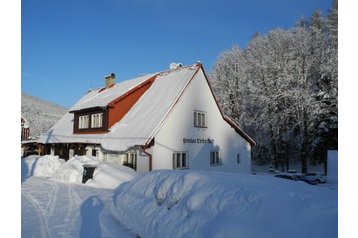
{"x": 89, "y": 109}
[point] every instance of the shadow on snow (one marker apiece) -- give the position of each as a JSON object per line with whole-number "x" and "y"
{"x": 90, "y": 222}
{"x": 27, "y": 172}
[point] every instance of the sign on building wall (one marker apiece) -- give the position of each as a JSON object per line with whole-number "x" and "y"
{"x": 198, "y": 141}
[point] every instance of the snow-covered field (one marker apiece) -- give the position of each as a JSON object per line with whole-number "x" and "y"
{"x": 120, "y": 203}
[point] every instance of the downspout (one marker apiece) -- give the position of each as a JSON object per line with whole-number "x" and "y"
{"x": 144, "y": 147}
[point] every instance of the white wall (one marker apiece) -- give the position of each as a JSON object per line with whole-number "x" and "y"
{"x": 143, "y": 160}
{"x": 179, "y": 125}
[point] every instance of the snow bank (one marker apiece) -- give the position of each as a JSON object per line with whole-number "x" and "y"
{"x": 110, "y": 176}
{"x": 40, "y": 166}
{"x": 47, "y": 165}
{"x": 106, "y": 175}
{"x": 72, "y": 170}
{"x": 201, "y": 204}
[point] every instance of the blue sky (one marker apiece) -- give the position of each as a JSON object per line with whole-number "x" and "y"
{"x": 67, "y": 46}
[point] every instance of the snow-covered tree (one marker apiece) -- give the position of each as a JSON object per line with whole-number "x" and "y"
{"x": 283, "y": 90}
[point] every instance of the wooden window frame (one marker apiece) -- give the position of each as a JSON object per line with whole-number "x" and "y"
{"x": 97, "y": 120}
{"x": 92, "y": 127}
{"x": 84, "y": 119}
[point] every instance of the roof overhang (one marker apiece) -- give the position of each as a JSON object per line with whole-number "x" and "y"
{"x": 89, "y": 109}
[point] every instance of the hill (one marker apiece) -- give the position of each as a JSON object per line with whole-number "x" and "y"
{"x": 40, "y": 114}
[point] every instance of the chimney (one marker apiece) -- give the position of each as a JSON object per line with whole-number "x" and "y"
{"x": 110, "y": 80}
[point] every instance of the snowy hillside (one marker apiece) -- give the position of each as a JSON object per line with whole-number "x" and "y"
{"x": 40, "y": 113}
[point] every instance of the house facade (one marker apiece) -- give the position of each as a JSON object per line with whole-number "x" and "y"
{"x": 166, "y": 120}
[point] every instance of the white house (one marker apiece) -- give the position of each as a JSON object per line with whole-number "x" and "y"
{"x": 165, "y": 120}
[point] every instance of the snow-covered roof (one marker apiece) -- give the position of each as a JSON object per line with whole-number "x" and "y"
{"x": 141, "y": 123}
{"x": 102, "y": 97}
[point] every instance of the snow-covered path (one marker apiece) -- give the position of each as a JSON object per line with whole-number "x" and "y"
{"x": 52, "y": 209}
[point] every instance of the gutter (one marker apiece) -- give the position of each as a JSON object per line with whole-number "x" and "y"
{"x": 144, "y": 147}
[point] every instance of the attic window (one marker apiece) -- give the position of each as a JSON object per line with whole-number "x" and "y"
{"x": 83, "y": 122}
{"x": 96, "y": 120}
{"x": 200, "y": 119}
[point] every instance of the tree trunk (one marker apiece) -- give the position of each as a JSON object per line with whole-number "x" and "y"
{"x": 304, "y": 148}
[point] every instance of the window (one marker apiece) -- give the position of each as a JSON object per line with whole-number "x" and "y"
{"x": 94, "y": 152}
{"x": 200, "y": 119}
{"x": 215, "y": 158}
{"x": 238, "y": 158}
{"x": 130, "y": 160}
{"x": 96, "y": 120}
{"x": 83, "y": 122}
{"x": 180, "y": 160}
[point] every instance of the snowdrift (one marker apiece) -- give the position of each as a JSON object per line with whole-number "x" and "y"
{"x": 45, "y": 166}
{"x": 201, "y": 204}
{"x": 106, "y": 175}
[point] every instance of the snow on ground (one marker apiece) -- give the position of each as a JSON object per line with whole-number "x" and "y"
{"x": 53, "y": 209}
{"x": 202, "y": 204}
{"x": 117, "y": 202}
{"x": 56, "y": 203}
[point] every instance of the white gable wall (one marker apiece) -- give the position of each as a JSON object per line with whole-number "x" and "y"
{"x": 180, "y": 125}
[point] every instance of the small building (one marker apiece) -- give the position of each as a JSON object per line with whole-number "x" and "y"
{"x": 29, "y": 146}
{"x": 165, "y": 120}
{"x": 25, "y": 129}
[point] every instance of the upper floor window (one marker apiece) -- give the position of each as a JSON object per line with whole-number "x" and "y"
{"x": 180, "y": 160}
{"x": 87, "y": 121}
{"x": 200, "y": 119}
{"x": 83, "y": 122}
{"x": 96, "y": 120}
{"x": 215, "y": 158}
